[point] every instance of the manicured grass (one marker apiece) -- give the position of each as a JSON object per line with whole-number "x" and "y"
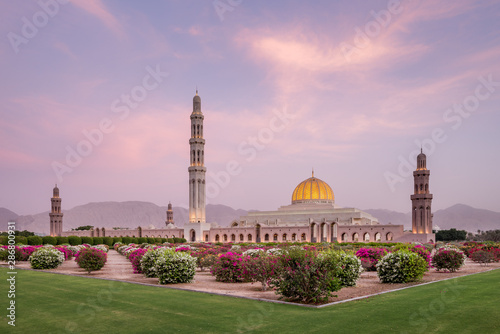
{"x": 51, "y": 303}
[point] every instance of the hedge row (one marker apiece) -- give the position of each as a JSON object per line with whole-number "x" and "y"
{"x": 75, "y": 240}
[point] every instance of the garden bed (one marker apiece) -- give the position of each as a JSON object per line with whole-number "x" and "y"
{"x": 119, "y": 268}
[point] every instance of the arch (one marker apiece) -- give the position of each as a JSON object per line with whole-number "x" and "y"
{"x": 206, "y": 238}
{"x": 303, "y": 237}
{"x": 426, "y": 188}
{"x": 284, "y": 237}
{"x": 388, "y": 236}
{"x": 421, "y": 186}
{"x": 355, "y": 236}
{"x": 294, "y": 237}
{"x": 249, "y": 237}
{"x": 242, "y": 238}
{"x": 217, "y": 238}
{"x": 378, "y": 237}
{"x": 313, "y": 232}
{"x": 275, "y": 237}
{"x": 333, "y": 231}
{"x": 224, "y": 238}
{"x": 366, "y": 237}
{"x": 192, "y": 235}
{"x": 234, "y": 224}
{"x": 266, "y": 237}
{"x": 257, "y": 233}
{"x": 233, "y": 238}
{"x": 322, "y": 232}
{"x": 416, "y": 189}
{"x": 344, "y": 237}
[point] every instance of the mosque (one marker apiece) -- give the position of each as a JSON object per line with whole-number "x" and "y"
{"x": 312, "y": 215}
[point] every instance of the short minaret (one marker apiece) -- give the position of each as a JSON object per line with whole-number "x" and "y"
{"x": 194, "y": 229}
{"x": 55, "y": 214}
{"x": 170, "y": 215}
{"x": 421, "y": 199}
{"x": 197, "y": 167}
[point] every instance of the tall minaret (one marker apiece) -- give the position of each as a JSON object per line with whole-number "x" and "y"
{"x": 170, "y": 215}
{"x": 55, "y": 214}
{"x": 421, "y": 199}
{"x": 197, "y": 167}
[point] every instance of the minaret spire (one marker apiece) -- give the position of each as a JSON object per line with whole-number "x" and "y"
{"x": 197, "y": 167}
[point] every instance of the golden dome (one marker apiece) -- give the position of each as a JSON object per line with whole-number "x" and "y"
{"x": 313, "y": 190}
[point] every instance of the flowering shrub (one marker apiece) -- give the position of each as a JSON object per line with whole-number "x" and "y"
{"x": 206, "y": 261}
{"x": 175, "y": 267}
{"x": 91, "y": 259}
{"x": 401, "y": 267}
{"x": 347, "y": 266}
{"x": 275, "y": 251}
{"x": 370, "y": 256}
{"x": 68, "y": 254}
{"x": 4, "y": 253}
{"x": 148, "y": 262}
{"x": 46, "y": 258}
{"x": 304, "y": 277}
{"x": 482, "y": 257}
{"x": 254, "y": 252}
{"x": 423, "y": 252}
{"x": 183, "y": 248}
{"x": 75, "y": 249}
{"x": 260, "y": 269}
{"x": 228, "y": 268}
{"x": 447, "y": 258}
{"x": 103, "y": 248}
{"x": 135, "y": 258}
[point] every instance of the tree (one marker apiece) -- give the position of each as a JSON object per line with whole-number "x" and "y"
{"x": 24, "y": 233}
{"x": 84, "y": 228}
{"x": 492, "y": 235}
{"x": 451, "y": 235}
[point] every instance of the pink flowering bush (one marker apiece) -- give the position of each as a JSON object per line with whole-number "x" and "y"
{"x": 423, "y": 252}
{"x": 260, "y": 269}
{"x": 68, "y": 254}
{"x": 135, "y": 258}
{"x": 91, "y": 259}
{"x": 370, "y": 256}
{"x": 305, "y": 277}
{"x": 448, "y": 259}
{"x": 228, "y": 268}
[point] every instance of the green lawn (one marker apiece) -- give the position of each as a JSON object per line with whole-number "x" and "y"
{"x": 51, "y": 303}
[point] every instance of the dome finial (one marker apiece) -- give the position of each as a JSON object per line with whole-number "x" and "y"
{"x": 196, "y": 90}
{"x": 313, "y": 172}
{"x": 421, "y": 149}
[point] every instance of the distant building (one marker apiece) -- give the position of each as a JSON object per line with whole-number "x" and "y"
{"x": 312, "y": 215}
{"x": 56, "y": 216}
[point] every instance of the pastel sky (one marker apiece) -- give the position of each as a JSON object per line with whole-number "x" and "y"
{"x": 349, "y": 88}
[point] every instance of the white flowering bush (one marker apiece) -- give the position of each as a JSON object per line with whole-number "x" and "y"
{"x": 254, "y": 252}
{"x": 401, "y": 267}
{"x": 75, "y": 249}
{"x": 103, "y": 248}
{"x": 46, "y": 258}
{"x": 175, "y": 267}
{"x": 275, "y": 251}
{"x": 347, "y": 266}
{"x": 184, "y": 248}
{"x": 235, "y": 248}
{"x": 148, "y": 261}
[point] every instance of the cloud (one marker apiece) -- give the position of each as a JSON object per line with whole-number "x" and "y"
{"x": 99, "y": 10}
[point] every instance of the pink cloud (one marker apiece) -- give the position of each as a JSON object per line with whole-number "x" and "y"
{"x": 99, "y": 10}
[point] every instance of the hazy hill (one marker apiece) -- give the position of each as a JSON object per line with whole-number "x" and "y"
{"x": 464, "y": 217}
{"x": 117, "y": 214}
{"x": 5, "y": 216}
{"x": 132, "y": 214}
{"x": 459, "y": 216}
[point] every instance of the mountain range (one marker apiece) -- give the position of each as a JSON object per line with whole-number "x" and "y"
{"x": 133, "y": 214}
